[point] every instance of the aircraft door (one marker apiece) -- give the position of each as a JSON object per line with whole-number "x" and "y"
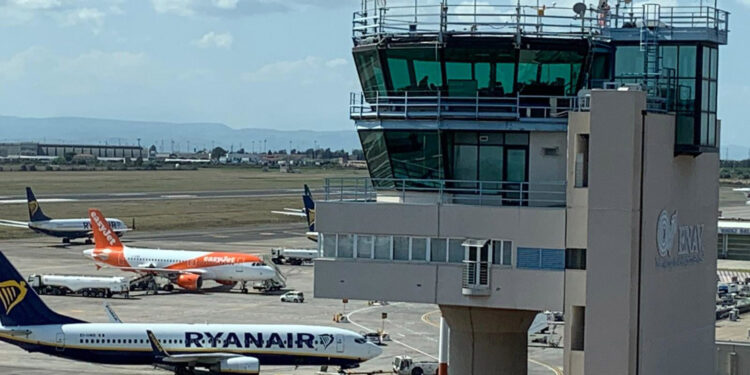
{"x": 339, "y": 344}
{"x": 60, "y": 342}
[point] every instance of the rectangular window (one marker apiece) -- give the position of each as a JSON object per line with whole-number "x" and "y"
{"x": 575, "y": 259}
{"x": 499, "y": 250}
{"x": 688, "y": 61}
{"x": 578, "y": 327}
{"x": 383, "y": 247}
{"x": 507, "y": 253}
{"x": 400, "y": 248}
{"x": 438, "y": 250}
{"x": 582, "y": 161}
{"x": 364, "y": 246}
{"x": 455, "y": 251}
{"x": 516, "y": 165}
{"x": 418, "y": 249}
{"x": 345, "y": 246}
{"x": 628, "y": 61}
{"x": 415, "y": 154}
{"x": 329, "y": 245}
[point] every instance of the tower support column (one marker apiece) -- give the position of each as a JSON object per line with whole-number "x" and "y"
{"x": 488, "y": 341}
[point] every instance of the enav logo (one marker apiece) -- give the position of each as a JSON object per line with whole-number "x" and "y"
{"x": 11, "y": 294}
{"x": 687, "y": 238}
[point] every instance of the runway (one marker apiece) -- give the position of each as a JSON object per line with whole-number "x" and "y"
{"x": 150, "y": 196}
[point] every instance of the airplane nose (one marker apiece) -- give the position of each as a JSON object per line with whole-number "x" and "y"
{"x": 373, "y": 350}
{"x": 268, "y": 271}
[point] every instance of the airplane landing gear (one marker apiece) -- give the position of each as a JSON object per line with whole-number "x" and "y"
{"x": 243, "y": 287}
{"x": 89, "y": 241}
{"x": 66, "y": 240}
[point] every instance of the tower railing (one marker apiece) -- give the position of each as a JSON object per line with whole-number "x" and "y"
{"x": 405, "y": 105}
{"x": 408, "y": 18}
{"x": 430, "y": 191}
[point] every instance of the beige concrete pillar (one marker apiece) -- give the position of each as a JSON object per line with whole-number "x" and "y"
{"x": 488, "y": 341}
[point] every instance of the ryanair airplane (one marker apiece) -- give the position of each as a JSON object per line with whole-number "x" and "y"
{"x": 67, "y": 229}
{"x": 219, "y": 348}
{"x": 308, "y": 212}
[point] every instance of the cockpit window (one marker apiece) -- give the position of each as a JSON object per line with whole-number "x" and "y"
{"x": 360, "y": 341}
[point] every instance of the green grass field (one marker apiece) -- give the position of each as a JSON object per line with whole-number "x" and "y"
{"x": 203, "y": 179}
{"x": 166, "y": 214}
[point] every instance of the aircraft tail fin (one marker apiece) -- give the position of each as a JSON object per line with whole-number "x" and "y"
{"x": 20, "y": 305}
{"x": 309, "y": 204}
{"x": 104, "y": 236}
{"x": 156, "y": 347}
{"x": 35, "y": 211}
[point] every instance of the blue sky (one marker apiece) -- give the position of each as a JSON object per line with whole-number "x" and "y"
{"x": 283, "y": 64}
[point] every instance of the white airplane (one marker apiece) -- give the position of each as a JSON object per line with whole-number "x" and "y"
{"x": 28, "y": 323}
{"x": 67, "y": 229}
{"x": 308, "y": 212}
{"x": 745, "y": 192}
{"x": 188, "y": 269}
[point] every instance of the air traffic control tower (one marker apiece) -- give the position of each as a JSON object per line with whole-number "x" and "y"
{"x": 525, "y": 159}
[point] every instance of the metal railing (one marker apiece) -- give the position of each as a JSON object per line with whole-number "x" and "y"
{"x": 432, "y": 191}
{"x": 429, "y": 17}
{"x": 405, "y": 105}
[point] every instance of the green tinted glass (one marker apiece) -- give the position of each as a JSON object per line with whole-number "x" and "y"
{"x": 376, "y": 154}
{"x": 415, "y": 154}
{"x": 370, "y": 73}
{"x": 685, "y": 127}
{"x": 628, "y": 61}
{"x": 688, "y": 60}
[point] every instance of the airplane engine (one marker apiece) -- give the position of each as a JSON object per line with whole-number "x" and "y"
{"x": 190, "y": 281}
{"x": 237, "y": 365}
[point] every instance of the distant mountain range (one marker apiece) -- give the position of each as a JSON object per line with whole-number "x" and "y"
{"x": 168, "y": 136}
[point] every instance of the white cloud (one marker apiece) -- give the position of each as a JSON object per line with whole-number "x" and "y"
{"x": 84, "y": 15}
{"x": 192, "y": 7}
{"x": 213, "y": 39}
{"x": 178, "y": 7}
{"x": 226, "y": 4}
{"x": 336, "y": 62}
{"x": 306, "y": 71}
{"x": 35, "y": 4}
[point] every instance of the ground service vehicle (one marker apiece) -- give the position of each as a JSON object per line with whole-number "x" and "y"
{"x": 87, "y": 286}
{"x": 403, "y": 365}
{"x": 293, "y": 256}
{"x": 293, "y": 296}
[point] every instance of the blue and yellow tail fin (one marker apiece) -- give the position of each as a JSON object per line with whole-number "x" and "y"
{"x": 35, "y": 211}
{"x": 20, "y": 305}
{"x": 309, "y": 205}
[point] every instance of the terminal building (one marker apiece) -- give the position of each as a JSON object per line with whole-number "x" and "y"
{"x": 53, "y": 150}
{"x": 526, "y": 159}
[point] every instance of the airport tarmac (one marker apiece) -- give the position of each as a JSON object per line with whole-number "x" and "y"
{"x": 413, "y": 327}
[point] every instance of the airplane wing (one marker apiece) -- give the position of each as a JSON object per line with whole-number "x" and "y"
{"x": 14, "y": 224}
{"x": 113, "y": 318}
{"x": 290, "y": 212}
{"x": 201, "y": 359}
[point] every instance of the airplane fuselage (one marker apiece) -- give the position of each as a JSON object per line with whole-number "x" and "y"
{"x": 209, "y": 265}
{"x": 128, "y": 344}
{"x": 73, "y": 228}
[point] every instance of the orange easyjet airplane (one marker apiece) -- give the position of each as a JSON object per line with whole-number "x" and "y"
{"x": 187, "y": 269}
